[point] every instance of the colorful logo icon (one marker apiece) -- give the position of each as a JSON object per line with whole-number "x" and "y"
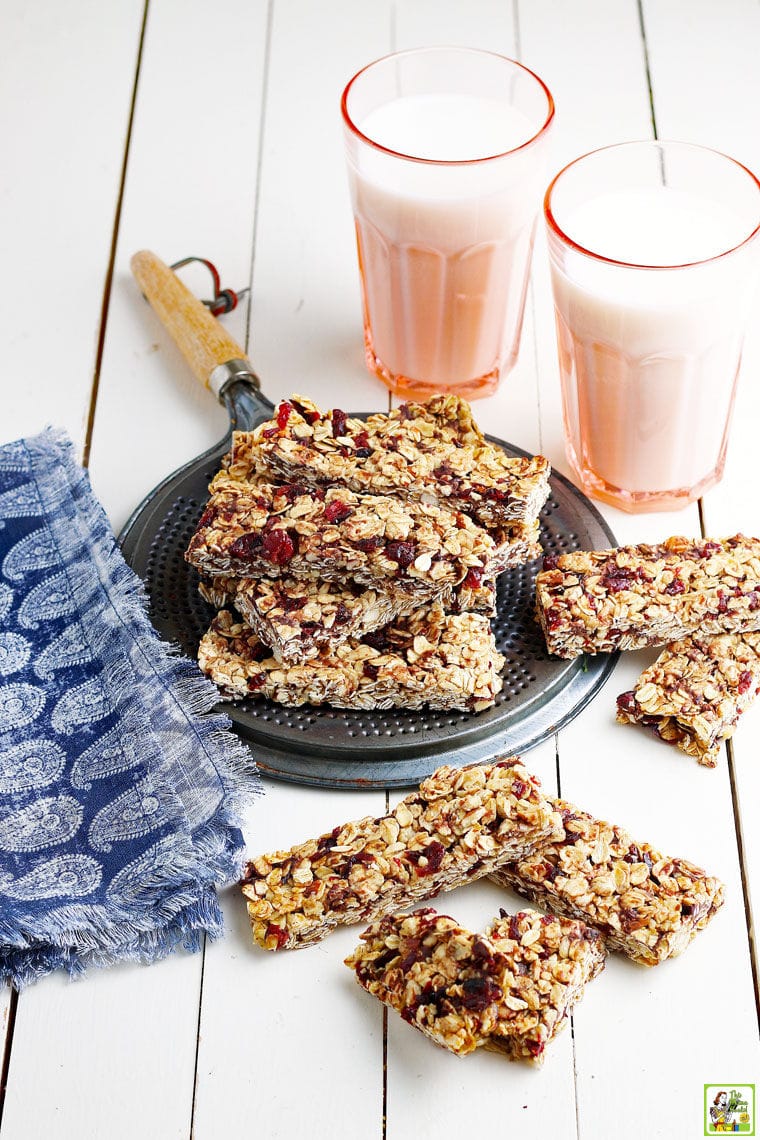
{"x": 729, "y": 1110}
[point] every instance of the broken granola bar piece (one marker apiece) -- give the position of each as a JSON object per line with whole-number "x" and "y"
{"x": 510, "y": 991}
{"x": 432, "y": 452}
{"x": 460, "y": 824}
{"x": 696, "y": 691}
{"x": 645, "y": 904}
{"x": 599, "y": 601}
{"x": 250, "y": 530}
{"x": 428, "y": 659}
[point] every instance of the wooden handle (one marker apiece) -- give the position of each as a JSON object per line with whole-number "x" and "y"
{"x": 201, "y": 339}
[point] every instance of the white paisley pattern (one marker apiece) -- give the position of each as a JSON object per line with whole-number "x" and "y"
{"x": 20, "y": 704}
{"x": 66, "y": 650}
{"x": 132, "y": 814}
{"x": 15, "y": 652}
{"x": 82, "y": 705}
{"x": 44, "y": 823}
{"x": 34, "y": 764}
{"x": 64, "y": 876}
{"x": 35, "y": 552}
{"x": 110, "y": 755}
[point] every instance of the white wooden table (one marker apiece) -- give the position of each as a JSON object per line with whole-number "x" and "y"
{"x": 213, "y": 129}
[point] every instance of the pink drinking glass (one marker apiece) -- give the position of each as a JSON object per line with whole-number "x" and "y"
{"x": 446, "y": 156}
{"x": 654, "y": 260}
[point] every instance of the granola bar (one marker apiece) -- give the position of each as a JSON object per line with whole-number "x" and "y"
{"x": 432, "y": 452}
{"x": 299, "y": 618}
{"x": 433, "y": 659}
{"x": 510, "y": 991}
{"x": 250, "y": 530}
{"x": 696, "y": 691}
{"x": 645, "y": 904}
{"x": 598, "y": 601}
{"x": 460, "y": 824}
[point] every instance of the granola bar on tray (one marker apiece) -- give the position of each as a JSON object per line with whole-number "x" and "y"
{"x": 696, "y": 691}
{"x": 645, "y": 904}
{"x": 599, "y": 601}
{"x": 432, "y": 452}
{"x": 299, "y": 618}
{"x": 248, "y": 530}
{"x": 428, "y": 659}
{"x": 460, "y": 824}
{"x": 511, "y": 991}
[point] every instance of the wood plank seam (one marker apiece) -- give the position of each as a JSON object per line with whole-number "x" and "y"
{"x": 108, "y": 283}
{"x": 7, "y": 1045}
{"x": 259, "y": 164}
{"x": 645, "y": 48}
{"x": 744, "y": 877}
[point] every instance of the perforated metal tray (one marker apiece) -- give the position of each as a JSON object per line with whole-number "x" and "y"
{"x": 342, "y": 748}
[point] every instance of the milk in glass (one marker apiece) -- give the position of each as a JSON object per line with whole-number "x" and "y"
{"x": 444, "y": 245}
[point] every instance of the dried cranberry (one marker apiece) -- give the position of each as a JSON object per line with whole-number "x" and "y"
{"x": 247, "y": 546}
{"x": 342, "y": 614}
{"x": 687, "y": 909}
{"x": 291, "y": 491}
{"x": 478, "y": 993}
{"x": 626, "y": 702}
{"x": 519, "y": 788}
{"x": 402, "y": 552}
{"x": 434, "y": 854}
{"x": 311, "y": 417}
{"x": 481, "y": 953}
{"x": 675, "y": 587}
{"x": 722, "y": 603}
{"x": 474, "y": 577}
{"x": 616, "y": 578}
{"x": 269, "y": 432}
{"x": 405, "y": 412}
{"x": 745, "y": 681}
{"x": 411, "y": 954}
{"x": 283, "y": 414}
{"x": 327, "y": 842}
{"x": 514, "y": 928}
{"x": 370, "y": 670}
{"x": 376, "y": 639}
{"x": 363, "y": 452}
{"x": 370, "y": 545}
{"x": 709, "y": 548}
{"x": 361, "y": 439}
{"x": 279, "y": 933}
{"x": 551, "y": 562}
{"x": 336, "y": 511}
{"x": 289, "y": 604}
{"x": 279, "y": 546}
{"x": 339, "y": 419}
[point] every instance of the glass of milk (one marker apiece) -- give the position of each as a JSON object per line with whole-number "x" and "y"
{"x": 654, "y": 257}
{"x": 445, "y": 151}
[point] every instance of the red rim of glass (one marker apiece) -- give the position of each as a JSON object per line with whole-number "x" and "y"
{"x": 445, "y": 161}
{"x": 554, "y": 225}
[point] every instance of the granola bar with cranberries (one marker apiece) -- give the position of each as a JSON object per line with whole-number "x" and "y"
{"x": 599, "y": 601}
{"x": 645, "y": 904}
{"x": 432, "y": 452}
{"x": 427, "y": 659}
{"x": 248, "y": 530}
{"x": 301, "y": 618}
{"x": 460, "y": 824}
{"x": 695, "y": 692}
{"x": 510, "y": 991}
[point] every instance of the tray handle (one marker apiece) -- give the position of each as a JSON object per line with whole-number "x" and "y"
{"x": 214, "y": 356}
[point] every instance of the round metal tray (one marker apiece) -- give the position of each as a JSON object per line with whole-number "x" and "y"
{"x": 341, "y": 748}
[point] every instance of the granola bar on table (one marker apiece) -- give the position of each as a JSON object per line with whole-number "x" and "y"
{"x": 460, "y": 824}
{"x": 429, "y": 659}
{"x": 696, "y": 691}
{"x": 599, "y": 601}
{"x": 645, "y": 904}
{"x": 249, "y": 530}
{"x": 432, "y": 452}
{"x": 511, "y": 990}
{"x": 300, "y": 618}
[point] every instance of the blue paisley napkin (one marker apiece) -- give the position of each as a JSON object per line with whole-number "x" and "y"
{"x": 119, "y": 788}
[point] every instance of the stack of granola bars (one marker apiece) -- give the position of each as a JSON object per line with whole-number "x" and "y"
{"x": 353, "y": 562}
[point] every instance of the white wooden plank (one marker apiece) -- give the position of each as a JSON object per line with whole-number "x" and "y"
{"x": 65, "y": 92}
{"x": 286, "y": 1035}
{"x": 483, "y": 1090}
{"x": 128, "y": 1020}
{"x": 306, "y": 323}
{"x": 190, "y": 189}
{"x": 636, "y": 1030}
{"x": 286, "y": 1032}
{"x": 721, "y": 47}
